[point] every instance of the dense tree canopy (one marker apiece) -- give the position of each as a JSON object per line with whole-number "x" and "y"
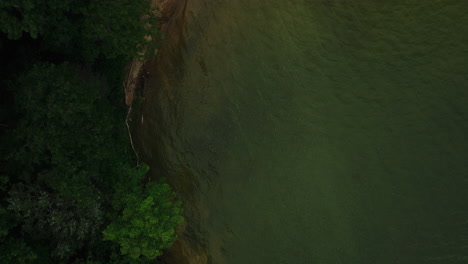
{"x": 148, "y": 221}
{"x": 69, "y": 188}
{"x": 88, "y": 29}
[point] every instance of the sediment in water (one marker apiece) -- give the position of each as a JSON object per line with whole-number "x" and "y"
{"x": 172, "y": 18}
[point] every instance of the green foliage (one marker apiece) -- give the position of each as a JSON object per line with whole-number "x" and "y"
{"x": 68, "y": 128}
{"x": 59, "y": 221}
{"x": 5, "y": 222}
{"x": 16, "y": 251}
{"x": 116, "y": 37}
{"x": 64, "y": 99}
{"x": 126, "y": 181}
{"x": 54, "y": 102}
{"x": 69, "y": 131}
{"x": 147, "y": 223}
{"x": 12, "y": 250}
{"x": 89, "y": 29}
{"x": 117, "y": 260}
{"x": 65, "y": 164}
{"x": 3, "y": 183}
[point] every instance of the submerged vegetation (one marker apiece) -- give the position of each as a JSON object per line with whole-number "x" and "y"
{"x": 69, "y": 187}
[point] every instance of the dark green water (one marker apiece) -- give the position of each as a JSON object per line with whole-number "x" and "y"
{"x": 316, "y": 131}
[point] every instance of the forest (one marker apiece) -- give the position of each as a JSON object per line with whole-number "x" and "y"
{"x": 70, "y": 187}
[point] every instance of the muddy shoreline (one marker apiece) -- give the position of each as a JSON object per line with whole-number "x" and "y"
{"x": 136, "y": 71}
{"x": 172, "y": 17}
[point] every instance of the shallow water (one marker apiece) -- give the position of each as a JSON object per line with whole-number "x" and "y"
{"x": 315, "y": 131}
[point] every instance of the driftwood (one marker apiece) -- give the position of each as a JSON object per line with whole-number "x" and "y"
{"x": 130, "y": 135}
{"x": 166, "y": 11}
{"x": 129, "y": 112}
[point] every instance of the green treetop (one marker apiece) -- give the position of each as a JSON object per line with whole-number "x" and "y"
{"x": 148, "y": 221}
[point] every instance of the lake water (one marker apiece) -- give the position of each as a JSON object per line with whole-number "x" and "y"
{"x": 314, "y": 131}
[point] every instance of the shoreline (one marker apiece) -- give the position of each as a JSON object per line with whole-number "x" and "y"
{"x": 170, "y": 12}
{"x": 135, "y": 70}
